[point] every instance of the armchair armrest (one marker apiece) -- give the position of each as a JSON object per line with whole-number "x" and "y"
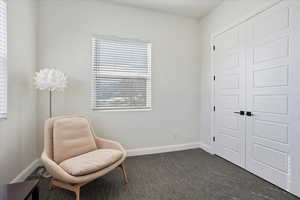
{"x": 108, "y": 144}
{"x": 55, "y": 170}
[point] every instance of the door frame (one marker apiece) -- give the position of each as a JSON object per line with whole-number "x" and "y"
{"x": 241, "y": 20}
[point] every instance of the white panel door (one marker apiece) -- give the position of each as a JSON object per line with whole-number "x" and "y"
{"x": 229, "y": 65}
{"x": 257, "y": 67}
{"x": 268, "y": 82}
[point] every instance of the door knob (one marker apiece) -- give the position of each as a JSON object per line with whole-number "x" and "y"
{"x": 240, "y": 112}
{"x": 249, "y": 113}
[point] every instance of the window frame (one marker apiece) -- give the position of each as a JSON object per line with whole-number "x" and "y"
{"x": 129, "y": 75}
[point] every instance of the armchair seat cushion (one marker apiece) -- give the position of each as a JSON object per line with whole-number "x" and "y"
{"x": 91, "y": 162}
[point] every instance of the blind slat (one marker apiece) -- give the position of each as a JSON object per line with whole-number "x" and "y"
{"x": 121, "y": 74}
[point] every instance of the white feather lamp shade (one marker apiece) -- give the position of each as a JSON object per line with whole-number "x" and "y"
{"x": 50, "y": 79}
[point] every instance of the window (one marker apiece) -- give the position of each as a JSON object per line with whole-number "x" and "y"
{"x": 121, "y": 74}
{"x": 3, "y": 59}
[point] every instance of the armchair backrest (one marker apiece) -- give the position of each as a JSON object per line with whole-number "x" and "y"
{"x": 67, "y": 137}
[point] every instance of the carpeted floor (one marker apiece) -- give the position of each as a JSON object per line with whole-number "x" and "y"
{"x": 183, "y": 175}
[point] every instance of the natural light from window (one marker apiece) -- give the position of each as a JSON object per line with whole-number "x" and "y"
{"x": 121, "y": 74}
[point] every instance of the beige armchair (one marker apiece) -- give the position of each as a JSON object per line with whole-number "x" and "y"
{"x": 74, "y": 156}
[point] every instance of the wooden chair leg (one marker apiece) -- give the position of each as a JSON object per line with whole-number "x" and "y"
{"x": 74, "y": 188}
{"x": 50, "y": 186}
{"x": 124, "y": 173}
{"x": 77, "y": 192}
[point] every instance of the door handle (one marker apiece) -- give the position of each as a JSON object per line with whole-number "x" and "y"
{"x": 249, "y": 114}
{"x": 240, "y": 112}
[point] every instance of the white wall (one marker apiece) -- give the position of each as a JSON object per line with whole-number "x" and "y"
{"x": 18, "y": 133}
{"x": 65, "y": 31}
{"x": 228, "y": 13}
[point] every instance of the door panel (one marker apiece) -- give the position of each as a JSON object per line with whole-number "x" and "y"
{"x": 270, "y": 103}
{"x": 270, "y": 157}
{"x": 271, "y": 131}
{"x": 263, "y": 25}
{"x": 267, "y": 70}
{"x": 275, "y": 76}
{"x": 230, "y": 81}
{"x": 232, "y": 143}
{"x": 271, "y": 50}
{"x": 230, "y": 102}
{"x": 269, "y": 173}
{"x": 230, "y": 96}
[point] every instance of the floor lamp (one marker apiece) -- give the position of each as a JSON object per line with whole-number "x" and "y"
{"x": 52, "y": 80}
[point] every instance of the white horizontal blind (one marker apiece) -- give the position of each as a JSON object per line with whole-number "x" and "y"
{"x": 121, "y": 74}
{"x": 3, "y": 59}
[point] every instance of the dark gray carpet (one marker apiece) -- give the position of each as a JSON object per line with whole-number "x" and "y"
{"x": 184, "y": 175}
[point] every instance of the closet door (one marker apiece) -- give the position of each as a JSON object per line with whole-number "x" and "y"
{"x": 229, "y": 66}
{"x": 268, "y": 83}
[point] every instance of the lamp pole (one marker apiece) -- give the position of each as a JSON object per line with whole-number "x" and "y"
{"x": 50, "y": 101}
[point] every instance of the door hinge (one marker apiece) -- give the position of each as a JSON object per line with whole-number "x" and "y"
{"x": 214, "y": 48}
{"x": 214, "y": 77}
{"x": 214, "y": 138}
{"x": 214, "y": 108}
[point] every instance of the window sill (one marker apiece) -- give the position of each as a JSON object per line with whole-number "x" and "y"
{"x": 123, "y": 110}
{"x": 3, "y": 117}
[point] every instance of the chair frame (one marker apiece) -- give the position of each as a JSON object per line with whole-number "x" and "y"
{"x": 76, "y": 187}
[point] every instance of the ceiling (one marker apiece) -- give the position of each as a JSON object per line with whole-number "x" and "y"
{"x": 190, "y": 8}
